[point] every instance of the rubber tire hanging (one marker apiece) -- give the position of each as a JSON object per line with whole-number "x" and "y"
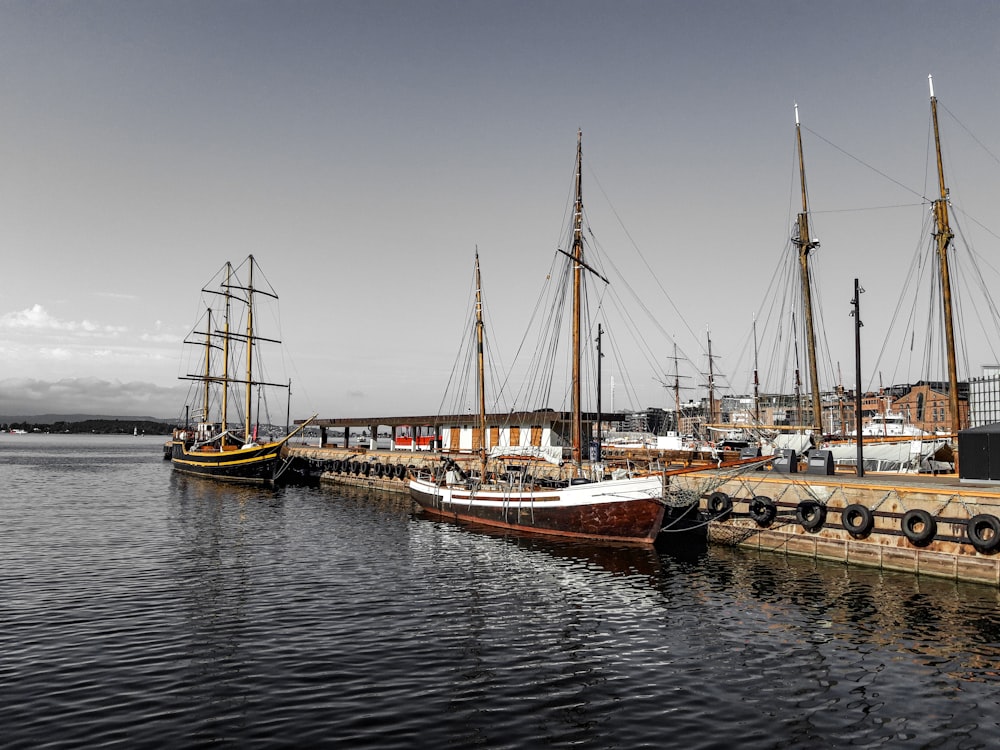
{"x": 919, "y": 527}
{"x": 983, "y": 531}
{"x": 857, "y": 520}
{"x": 810, "y": 515}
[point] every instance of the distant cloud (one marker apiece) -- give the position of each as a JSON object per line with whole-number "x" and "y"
{"x": 28, "y": 396}
{"x": 37, "y": 317}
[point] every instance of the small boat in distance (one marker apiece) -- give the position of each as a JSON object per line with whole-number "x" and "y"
{"x": 623, "y": 505}
{"x": 223, "y": 448}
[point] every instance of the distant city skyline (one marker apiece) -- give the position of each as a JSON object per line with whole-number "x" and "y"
{"x": 362, "y": 151}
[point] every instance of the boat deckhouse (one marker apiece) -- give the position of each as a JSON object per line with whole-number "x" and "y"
{"x": 461, "y": 433}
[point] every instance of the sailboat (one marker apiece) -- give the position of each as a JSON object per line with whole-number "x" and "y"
{"x": 625, "y": 507}
{"x": 220, "y": 449}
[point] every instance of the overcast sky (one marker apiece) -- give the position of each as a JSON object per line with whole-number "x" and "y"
{"x": 362, "y": 150}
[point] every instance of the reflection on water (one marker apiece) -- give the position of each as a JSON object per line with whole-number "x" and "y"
{"x": 144, "y": 608}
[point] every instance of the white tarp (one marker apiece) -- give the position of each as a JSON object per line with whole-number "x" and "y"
{"x": 906, "y": 455}
{"x": 552, "y": 453}
{"x": 797, "y": 443}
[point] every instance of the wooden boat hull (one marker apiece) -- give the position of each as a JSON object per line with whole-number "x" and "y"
{"x": 625, "y": 510}
{"x": 257, "y": 465}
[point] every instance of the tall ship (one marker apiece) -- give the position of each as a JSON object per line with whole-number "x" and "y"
{"x": 596, "y": 502}
{"x": 224, "y": 437}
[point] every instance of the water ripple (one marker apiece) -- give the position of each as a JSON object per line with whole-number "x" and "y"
{"x": 144, "y": 609}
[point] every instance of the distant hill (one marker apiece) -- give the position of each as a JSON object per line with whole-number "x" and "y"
{"x": 53, "y": 418}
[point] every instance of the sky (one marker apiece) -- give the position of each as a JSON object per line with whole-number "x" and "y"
{"x": 362, "y": 151}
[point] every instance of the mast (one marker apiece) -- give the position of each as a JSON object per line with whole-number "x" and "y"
{"x": 711, "y": 381}
{"x": 677, "y": 393}
{"x": 577, "y": 254}
{"x": 480, "y": 370}
{"x": 224, "y": 425}
{"x": 805, "y": 243}
{"x": 944, "y": 236}
{"x": 600, "y": 333}
{"x": 756, "y": 377}
{"x": 249, "y": 386}
{"x": 208, "y": 366}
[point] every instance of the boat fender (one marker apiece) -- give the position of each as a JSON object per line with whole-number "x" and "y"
{"x": 355, "y": 468}
{"x": 366, "y": 468}
{"x": 400, "y": 471}
{"x": 378, "y": 469}
{"x": 983, "y": 531}
{"x": 720, "y": 505}
{"x": 857, "y": 520}
{"x": 763, "y": 510}
{"x": 335, "y": 466}
{"x": 919, "y": 527}
{"x": 810, "y": 515}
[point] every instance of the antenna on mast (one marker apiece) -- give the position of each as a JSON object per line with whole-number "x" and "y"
{"x": 930, "y": 84}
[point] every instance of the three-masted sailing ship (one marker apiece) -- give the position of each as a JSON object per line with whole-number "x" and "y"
{"x": 225, "y": 448}
{"x": 624, "y": 507}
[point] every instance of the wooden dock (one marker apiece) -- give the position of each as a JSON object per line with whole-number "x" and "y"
{"x": 918, "y": 524}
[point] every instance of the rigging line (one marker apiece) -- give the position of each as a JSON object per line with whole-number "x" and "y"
{"x": 641, "y": 304}
{"x": 970, "y": 133}
{"x": 864, "y": 163}
{"x": 912, "y": 277}
{"x": 975, "y": 221}
{"x": 867, "y": 208}
{"x": 635, "y": 245}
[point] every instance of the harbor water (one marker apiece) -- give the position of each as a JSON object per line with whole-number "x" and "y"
{"x": 145, "y": 609}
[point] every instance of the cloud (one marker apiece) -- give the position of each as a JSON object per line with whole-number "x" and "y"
{"x": 37, "y": 318}
{"x": 29, "y": 396}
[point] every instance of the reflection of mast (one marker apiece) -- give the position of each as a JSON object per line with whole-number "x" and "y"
{"x": 806, "y": 243}
{"x": 944, "y": 236}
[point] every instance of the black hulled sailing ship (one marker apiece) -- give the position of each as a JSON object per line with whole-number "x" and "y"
{"x": 223, "y": 443}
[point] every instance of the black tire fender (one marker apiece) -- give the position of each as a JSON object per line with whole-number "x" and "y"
{"x": 857, "y": 520}
{"x": 720, "y": 505}
{"x": 763, "y": 510}
{"x": 811, "y": 515}
{"x": 983, "y": 531}
{"x": 919, "y": 527}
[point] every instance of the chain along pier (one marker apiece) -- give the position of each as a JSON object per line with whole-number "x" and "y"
{"x": 929, "y": 525}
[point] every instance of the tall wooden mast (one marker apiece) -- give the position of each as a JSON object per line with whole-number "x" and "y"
{"x": 249, "y": 351}
{"x": 805, "y": 243}
{"x": 711, "y": 381}
{"x": 223, "y": 422}
{"x": 577, "y": 253}
{"x": 944, "y": 236}
{"x": 480, "y": 369}
{"x": 208, "y": 367}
